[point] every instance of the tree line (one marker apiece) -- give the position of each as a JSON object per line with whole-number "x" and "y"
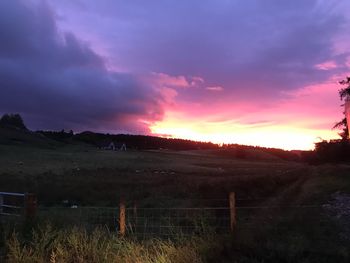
{"x": 335, "y": 150}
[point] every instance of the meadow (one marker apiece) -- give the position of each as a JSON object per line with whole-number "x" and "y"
{"x": 90, "y": 176}
{"x": 302, "y": 229}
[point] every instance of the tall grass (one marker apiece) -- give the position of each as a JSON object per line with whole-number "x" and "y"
{"x": 48, "y": 244}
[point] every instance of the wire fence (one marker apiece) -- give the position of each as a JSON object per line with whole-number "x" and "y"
{"x": 163, "y": 222}
{"x": 81, "y": 216}
{"x": 145, "y": 222}
{"x": 196, "y": 216}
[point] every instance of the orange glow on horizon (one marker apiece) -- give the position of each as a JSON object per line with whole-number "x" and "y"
{"x": 274, "y": 136}
{"x": 304, "y": 116}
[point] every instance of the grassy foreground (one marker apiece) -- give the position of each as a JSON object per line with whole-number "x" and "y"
{"x": 172, "y": 179}
{"x": 48, "y": 244}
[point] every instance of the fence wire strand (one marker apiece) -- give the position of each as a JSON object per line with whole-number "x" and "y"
{"x": 144, "y": 222}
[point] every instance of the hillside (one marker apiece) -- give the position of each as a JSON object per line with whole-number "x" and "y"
{"x": 49, "y": 139}
{"x": 17, "y": 137}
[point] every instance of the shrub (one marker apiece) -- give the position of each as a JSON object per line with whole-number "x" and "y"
{"x": 12, "y": 121}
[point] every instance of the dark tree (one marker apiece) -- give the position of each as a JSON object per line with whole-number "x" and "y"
{"x": 344, "y": 94}
{"x": 336, "y": 150}
{"x": 342, "y": 125}
{"x": 12, "y": 121}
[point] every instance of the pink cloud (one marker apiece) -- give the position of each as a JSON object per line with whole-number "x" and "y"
{"x": 215, "y": 88}
{"x": 169, "y": 95}
{"x": 196, "y": 81}
{"x": 347, "y": 63}
{"x": 165, "y": 80}
{"x": 302, "y": 115}
{"x": 327, "y": 65}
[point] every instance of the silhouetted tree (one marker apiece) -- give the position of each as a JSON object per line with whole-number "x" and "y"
{"x": 336, "y": 150}
{"x": 342, "y": 125}
{"x": 332, "y": 151}
{"x": 61, "y": 136}
{"x": 143, "y": 142}
{"x": 344, "y": 94}
{"x": 12, "y": 121}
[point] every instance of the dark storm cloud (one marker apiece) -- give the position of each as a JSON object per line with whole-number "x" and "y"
{"x": 256, "y": 50}
{"x": 57, "y": 81}
{"x": 240, "y": 45}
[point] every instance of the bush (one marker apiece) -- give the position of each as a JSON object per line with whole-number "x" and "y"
{"x": 332, "y": 151}
{"x": 12, "y": 121}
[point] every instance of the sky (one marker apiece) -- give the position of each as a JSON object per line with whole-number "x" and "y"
{"x": 231, "y": 71}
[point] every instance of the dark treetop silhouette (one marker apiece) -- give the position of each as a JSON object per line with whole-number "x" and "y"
{"x": 344, "y": 94}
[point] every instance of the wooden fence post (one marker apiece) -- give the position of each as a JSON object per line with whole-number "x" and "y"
{"x": 1, "y": 203}
{"x": 30, "y": 205}
{"x": 232, "y": 200}
{"x": 122, "y": 226}
{"x": 135, "y": 214}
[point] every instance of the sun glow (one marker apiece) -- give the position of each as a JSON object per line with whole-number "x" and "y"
{"x": 284, "y": 137}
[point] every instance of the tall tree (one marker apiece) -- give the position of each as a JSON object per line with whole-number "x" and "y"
{"x": 344, "y": 95}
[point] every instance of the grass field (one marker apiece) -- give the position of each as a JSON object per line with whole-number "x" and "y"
{"x": 91, "y": 177}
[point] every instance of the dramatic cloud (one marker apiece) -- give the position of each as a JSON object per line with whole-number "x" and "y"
{"x": 58, "y": 81}
{"x": 235, "y": 71}
{"x": 234, "y": 44}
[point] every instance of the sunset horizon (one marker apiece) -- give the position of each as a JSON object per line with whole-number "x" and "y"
{"x": 174, "y": 131}
{"x": 229, "y": 72}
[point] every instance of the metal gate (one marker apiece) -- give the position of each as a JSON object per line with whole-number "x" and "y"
{"x": 17, "y": 204}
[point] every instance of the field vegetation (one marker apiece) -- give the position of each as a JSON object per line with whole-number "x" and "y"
{"x": 87, "y": 176}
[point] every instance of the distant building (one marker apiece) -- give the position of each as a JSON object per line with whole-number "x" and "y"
{"x": 119, "y": 146}
{"x": 112, "y": 146}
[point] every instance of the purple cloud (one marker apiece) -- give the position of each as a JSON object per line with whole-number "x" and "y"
{"x": 119, "y": 65}
{"x": 228, "y": 43}
{"x": 58, "y": 81}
